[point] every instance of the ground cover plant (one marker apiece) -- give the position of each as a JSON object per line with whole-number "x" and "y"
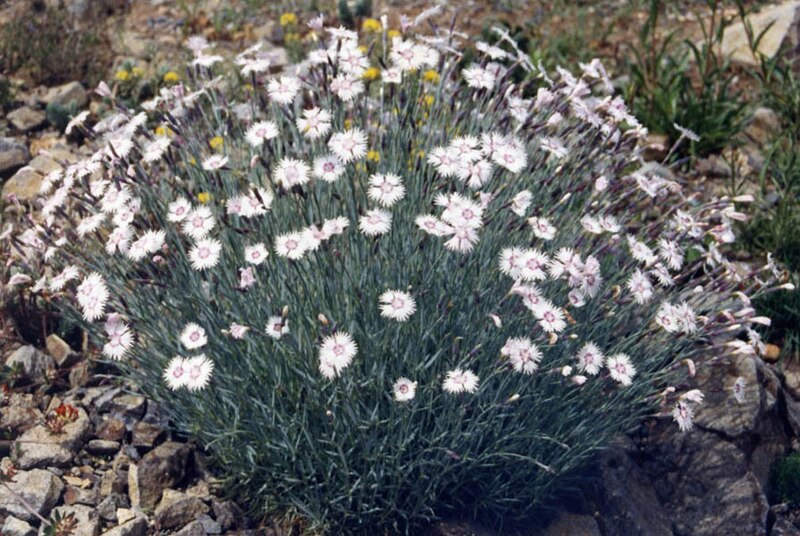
{"x": 390, "y": 283}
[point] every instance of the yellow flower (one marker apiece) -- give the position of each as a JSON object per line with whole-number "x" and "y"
{"x": 363, "y": 49}
{"x": 137, "y": 72}
{"x": 391, "y": 34}
{"x": 291, "y": 37}
{"x": 371, "y": 74}
{"x": 288, "y": 18}
{"x": 360, "y": 166}
{"x": 373, "y": 156}
{"x": 248, "y": 87}
{"x": 204, "y": 197}
{"x": 431, "y": 76}
{"x": 216, "y": 142}
{"x": 372, "y": 25}
{"x": 428, "y": 100}
{"x": 192, "y": 160}
{"x": 171, "y": 77}
{"x": 421, "y": 153}
{"x": 348, "y": 124}
{"x": 163, "y": 131}
{"x": 122, "y": 75}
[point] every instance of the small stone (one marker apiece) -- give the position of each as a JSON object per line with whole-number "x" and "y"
{"x": 784, "y": 527}
{"x": 44, "y": 165}
{"x": 81, "y": 495}
{"x": 113, "y": 481}
{"x": 147, "y": 435}
{"x": 34, "y": 364}
{"x": 128, "y": 406}
{"x": 775, "y": 27}
{"x": 159, "y": 469}
{"x": 39, "y": 447}
{"x": 23, "y": 185}
{"x": 107, "y": 509}
{"x": 124, "y": 515}
{"x": 134, "y": 527}
{"x": 209, "y": 525}
{"x": 771, "y": 353}
{"x": 111, "y": 430}
{"x": 40, "y": 489}
{"x": 60, "y": 350}
{"x": 102, "y": 447}
{"x": 200, "y": 490}
{"x": 763, "y": 127}
{"x": 79, "y": 374}
{"x": 195, "y": 528}
{"x": 16, "y": 527}
{"x": 26, "y": 119}
{"x": 17, "y": 419}
{"x": 88, "y": 522}
{"x": 227, "y": 513}
{"x": 72, "y": 92}
{"x": 177, "y": 509}
{"x": 571, "y": 525}
{"x": 13, "y": 155}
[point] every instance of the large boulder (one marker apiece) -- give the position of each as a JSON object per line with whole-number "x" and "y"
{"x": 780, "y": 26}
{"x": 26, "y": 119}
{"x": 67, "y": 94}
{"x": 40, "y": 447}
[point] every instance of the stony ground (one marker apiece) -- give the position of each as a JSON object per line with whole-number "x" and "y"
{"x": 120, "y": 470}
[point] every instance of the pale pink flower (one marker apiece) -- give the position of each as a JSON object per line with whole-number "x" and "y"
{"x": 542, "y": 228}
{"x": 683, "y": 414}
{"x": 260, "y": 132}
{"x": 247, "y": 277}
{"x": 277, "y": 327}
{"x": 640, "y": 287}
{"x": 205, "y": 254}
{"x": 199, "y": 222}
{"x": 621, "y": 368}
{"x": 193, "y": 336}
{"x": 178, "y": 210}
{"x": 238, "y": 331}
{"x": 315, "y": 123}
{"x": 404, "y": 390}
{"x": 347, "y": 87}
{"x": 590, "y": 359}
{"x": 387, "y": 189}
{"x": 336, "y": 353}
{"x": 523, "y": 355}
{"x": 290, "y": 245}
{"x": 198, "y": 372}
{"x": 283, "y": 90}
{"x": 328, "y": 168}
{"x": 375, "y": 222}
{"x": 460, "y": 381}
{"x": 120, "y": 338}
{"x": 92, "y": 295}
{"x": 349, "y": 145}
{"x": 397, "y": 305}
{"x": 214, "y": 162}
{"x": 291, "y": 172}
{"x": 176, "y": 374}
{"x": 479, "y": 77}
{"x": 256, "y": 254}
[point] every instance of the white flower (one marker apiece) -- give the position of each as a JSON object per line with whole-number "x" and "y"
{"x": 291, "y": 172}
{"x": 315, "y": 123}
{"x": 290, "y": 245}
{"x": 375, "y": 222}
{"x": 348, "y": 145}
{"x": 176, "y": 374}
{"x": 542, "y": 228}
{"x": 671, "y": 252}
{"x": 641, "y": 252}
{"x": 478, "y": 77}
{"x": 445, "y": 160}
{"x": 76, "y": 121}
{"x": 92, "y": 295}
{"x": 65, "y": 276}
{"x": 90, "y": 224}
{"x": 590, "y": 359}
{"x": 347, "y": 87}
{"x": 640, "y": 287}
{"x": 521, "y": 202}
{"x": 620, "y": 368}
{"x": 463, "y": 239}
{"x": 154, "y": 150}
{"x": 260, "y": 132}
{"x": 198, "y": 223}
{"x": 277, "y": 327}
{"x": 120, "y": 338}
{"x": 397, "y": 305}
{"x": 256, "y": 254}
{"x": 460, "y": 381}
{"x": 238, "y": 331}
{"x": 476, "y": 174}
{"x": 554, "y": 147}
{"x": 328, "y": 168}
{"x": 193, "y": 336}
{"x": 404, "y": 56}
{"x": 511, "y": 156}
{"x": 205, "y": 254}
{"x": 214, "y": 162}
{"x": 282, "y": 90}
{"x": 334, "y": 226}
{"x": 178, "y": 210}
{"x": 118, "y": 240}
{"x": 387, "y": 189}
{"x": 247, "y": 278}
{"x": 336, "y": 353}
{"x": 683, "y": 414}
{"x": 404, "y": 390}
{"x": 551, "y": 318}
{"x": 523, "y": 355}
{"x": 695, "y": 395}
{"x": 198, "y": 372}
{"x": 432, "y": 225}
{"x": 150, "y": 242}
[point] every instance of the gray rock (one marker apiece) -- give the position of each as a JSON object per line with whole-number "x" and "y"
{"x": 35, "y": 365}
{"x": 134, "y": 527}
{"x": 784, "y": 527}
{"x": 88, "y": 522}
{"x": 107, "y": 509}
{"x": 572, "y": 525}
{"x": 44, "y": 165}
{"x": 777, "y": 23}
{"x": 38, "y": 447}
{"x": 147, "y": 435}
{"x": 24, "y": 185}
{"x": 128, "y": 405}
{"x": 18, "y": 418}
{"x": 16, "y": 527}
{"x": 111, "y": 430}
{"x": 26, "y": 119}
{"x": 40, "y": 489}
{"x": 59, "y": 350}
{"x": 177, "y": 509}
{"x": 72, "y": 92}
{"x": 720, "y": 412}
{"x": 102, "y": 447}
{"x": 227, "y": 513}
{"x": 211, "y": 526}
{"x": 13, "y": 155}
{"x": 195, "y": 528}
{"x": 763, "y": 127}
{"x": 159, "y": 469}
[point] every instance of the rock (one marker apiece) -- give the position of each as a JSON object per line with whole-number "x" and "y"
{"x": 72, "y": 92}
{"x": 134, "y": 527}
{"x": 13, "y": 155}
{"x": 38, "y": 447}
{"x": 111, "y": 430}
{"x": 763, "y": 127}
{"x": 572, "y": 525}
{"x": 720, "y": 412}
{"x": 78, "y": 495}
{"x": 102, "y": 447}
{"x": 60, "y": 351}
{"x": 26, "y": 119}
{"x": 177, "y": 509}
{"x": 705, "y": 485}
{"x": 713, "y": 166}
{"x": 784, "y": 527}
{"x": 23, "y": 185}
{"x": 656, "y": 147}
{"x": 128, "y": 406}
{"x": 16, "y": 527}
{"x": 629, "y": 502}
{"x": 227, "y": 513}
{"x": 159, "y": 469}
{"x": 16, "y": 419}
{"x": 212, "y": 527}
{"x": 147, "y": 435}
{"x": 113, "y": 481}
{"x": 779, "y": 21}
{"x": 79, "y": 374}
{"x": 35, "y": 365}
{"x": 790, "y": 371}
{"x": 125, "y": 514}
{"x": 107, "y": 509}
{"x": 87, "y": 518}
{"x": 40, "y": 489}
{"x": 44, "y": 165}
{"x": 772, "y": 353}
{"x": 195, "y": 528}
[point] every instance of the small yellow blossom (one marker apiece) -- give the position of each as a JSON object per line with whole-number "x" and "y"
{"x": 216, "y": 142}
{"x": 291, "y": 37}
{"x": 171, "y": 77}
{"x": 391, "y": 34}
{"x": 371, "y": 25}
{"x": 361, "y": 166}
{"x": 122, "y": 75}
{"x": 431, "y": 76}
{"x": 163, "y": 131}
{"x": 428, "y": 100}
{"x": 371, "y": 74}
{"x": 204, "y": 197}
{"x": 192, "y": 160}
{"x": 137, "y": 72}
{"x": 421, "y": 153}
{"x": 248, "y": 87}
{"x": 373, "y": 156}
{"x": 288, "y": 18}
{"x": 348, "y": 124}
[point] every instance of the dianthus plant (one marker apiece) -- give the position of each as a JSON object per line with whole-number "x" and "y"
{"x": 389, "y": 283}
